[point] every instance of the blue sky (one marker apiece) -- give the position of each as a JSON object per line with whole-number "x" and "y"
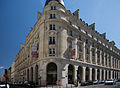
{"x": 18, "y": 16}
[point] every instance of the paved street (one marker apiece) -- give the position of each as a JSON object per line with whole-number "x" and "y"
{"x": 90, "y": 86}
{"x": 102, "y": 86}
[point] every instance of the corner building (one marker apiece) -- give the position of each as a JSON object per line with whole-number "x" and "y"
{"x": 67, "y": 49}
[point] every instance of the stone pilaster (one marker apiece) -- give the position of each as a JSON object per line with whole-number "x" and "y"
{"x": 64, "y": 80}
{"x": 83, "y": 74}
{"x": 95, "y": 74}
{"x": 111, "y": 74}
{"x": 90, "y": 75}
{"x": 75, "y": 75}
{"x": 84, "y": 53}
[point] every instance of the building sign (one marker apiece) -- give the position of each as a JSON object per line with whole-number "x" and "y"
{"x": 34, "y": 50}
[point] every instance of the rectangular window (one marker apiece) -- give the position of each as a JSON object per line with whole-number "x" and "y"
{"x": 79, "y": 48}
{"x": 70, "y": 44}
{"x": 79, "y": 37}
{"x": 51, "y": 40}
{"x": 52, "y": 16}
{"x": 87, "y": 51}
{"x": 52, "y": 27}
{"x": 53, "y": 7}
{"x": 70, "y": 33}
{"x": 93, "y": 52}
{"x": 51, "y": 52}
{"x": 86, "y": 41}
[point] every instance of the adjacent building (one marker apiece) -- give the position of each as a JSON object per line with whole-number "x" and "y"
{"x": 61, "y": 47}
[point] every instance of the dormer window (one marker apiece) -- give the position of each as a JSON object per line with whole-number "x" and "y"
{"x": 52, "y": 16}
{"x": 53, "y": 7}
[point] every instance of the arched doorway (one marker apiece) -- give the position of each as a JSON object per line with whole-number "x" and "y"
{"x": 93, "y": 74}
{"x": 70, "y": 74}
{"x": 79, "y": 73}
{"x": 28, "y": 75}
{"x": 106, "y": 75}
{"x": 102, "y": 74}
{"x": 87, "y": 74}
{"x": 36, "y": 74}
{"x": 31, "y": 74}
{"x": 51, "y": 74}
{"x": 98, "y": 74}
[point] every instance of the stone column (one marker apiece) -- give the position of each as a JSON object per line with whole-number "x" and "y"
{"x": 84, "y": 74}
{"x": 90, "y": 75}
{"x": 64, "y": 80}
{"x": 76, "y": 48}
{"x": 75, "y": 74}
{"x": 111, "y": 75}
{"x": 84, "y": 53}
{"x": 107, "y": 74}
{"x": 95, "y": 74}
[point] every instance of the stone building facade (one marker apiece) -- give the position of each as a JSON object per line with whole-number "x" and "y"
{"x": 61, "y": 47}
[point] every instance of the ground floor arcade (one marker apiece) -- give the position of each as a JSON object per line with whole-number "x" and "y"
{"x": 67, "y": 72}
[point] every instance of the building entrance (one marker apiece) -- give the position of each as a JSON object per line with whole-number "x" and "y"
{"x": 51, "y": 74}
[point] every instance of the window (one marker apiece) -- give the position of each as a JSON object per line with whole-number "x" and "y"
{"x": 78, "y": 27}
{"x": 79, "y": 48}
{"x": 79, "y": 37}
{"x": 51, "y": 52}
{"x": 52, "y": 16}
{"x": 70, "y": 33}
{"x": 93, "y": 45}
{"x": 51, "y": 40}
{"x": 53, "y": 7}
{"x": 86, "y": 41}
{"x": 79, "y": 56}
{"x": 87, "y": 51}
{"x": 37, "y": 46}
{"x": 93, "y": 52}
{"x": 52, "y": 27}
{"x": 70, "y": 44}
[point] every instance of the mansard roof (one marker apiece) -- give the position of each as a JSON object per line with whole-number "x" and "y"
{"x": 59, "y": 1}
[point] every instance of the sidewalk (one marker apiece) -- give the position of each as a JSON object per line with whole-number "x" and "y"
{"x": 68, "y": 86}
